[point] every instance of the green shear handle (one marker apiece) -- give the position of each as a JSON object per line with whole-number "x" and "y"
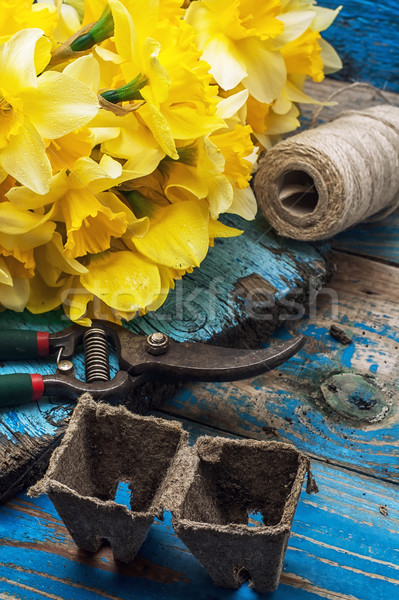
{"x": 19, "y": 388}
{"x": 19, "y": 344}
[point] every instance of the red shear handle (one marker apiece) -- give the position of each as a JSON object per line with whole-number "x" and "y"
{"x": 19, "y": 388}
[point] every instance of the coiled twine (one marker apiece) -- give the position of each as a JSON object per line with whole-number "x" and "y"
{"x": 324, "y": 180}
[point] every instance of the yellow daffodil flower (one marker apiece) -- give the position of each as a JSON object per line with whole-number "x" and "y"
{"x": 68, "y": 21}
{"x": 216, "y": 168}
{"x": 126, "y": 128}
{"x": 33, "y": 109}
{"x": 20, "y": 232}
{"x": 22, "y": 229}
{"x": 139, "y": 286}
{"x": 14, "y": 294}
{"x": 303, "y": 55}
{"x": 53, "y": 263}
{"x": 20, "y": 14}
{"x": 180, "y": 102}
{"x": 78, "y": 200}
{"x": 235, "y": 37}
{"x": 178, "y": 236}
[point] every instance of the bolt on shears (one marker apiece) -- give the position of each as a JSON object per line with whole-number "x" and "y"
{"x": 141, "y": 359}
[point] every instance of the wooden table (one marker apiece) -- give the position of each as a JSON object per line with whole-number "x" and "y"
{"x": 344, "y": 542}
{"x": 338, "y": 403}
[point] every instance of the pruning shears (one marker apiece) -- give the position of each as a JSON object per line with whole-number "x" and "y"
{"x": 141, "y": 359}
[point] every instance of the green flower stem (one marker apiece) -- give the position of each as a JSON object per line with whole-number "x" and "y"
{"x": 102, "y": 30}
{"x": 130, "y": 91}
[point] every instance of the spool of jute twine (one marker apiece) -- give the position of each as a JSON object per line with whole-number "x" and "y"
{"x": 324, "y": 180}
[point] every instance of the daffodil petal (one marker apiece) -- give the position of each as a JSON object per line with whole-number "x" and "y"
{"x": 144, "y": 164}
{"x": 103, "y": 134}
{"x": 282, "y": 105}
{"x": 88, "y": 170}
{"x": 330, "y": 58}
{"x": 56, "y": 257}
{"x": 42, "y": 54}
{"x": 266, "y": 71}
{"x": 324, "y": 17}
{"x": 125, "y": 32}
{"x": 279, "y": 124}
{"x": 17, "y": 60}
{"x": 59, "y": 105}
{"x": 5, "y": 275}
{"x": 178, "y": 237}
{"x": 97, "y": 177}
{"x": 43, "y": 15}
{"x": 183, "y": 179}
{"x": 85, "y": 69}
{"x": 219, "y": 230}
{"x": 51, "y": 275}
{"x": 68, "y": 22}
{"x": 21, "y": 262}
{"x": 89, "y": 222}
{"x": 31, "y": 239}
{"x": 266, "y": 141}
{"x": 16, "y": 296}
{"x": 167, "y": 283}
{"x": 135, "y": 227}
{"x": 42, "y": 297}
{"x": 27, "y": 199}
{"x": 75, "y": 299}
{"x": 137, "y": 144}
{"x": 136, "y": 289}
{"x": 296, "y": 23}
{"x": 186, "y": 123}
{"x": 244, "y": 203}
{"x": 15, "y": 221}
{"x": 220, "y": 195}
{"x": 160, "y": 129}
{"x": 227, "y": 67}
{"x": 297, "y": 95}
{"x": 25, "y": 159}
{"x": 3, "y": 175}
{"x": 228, "y": 107}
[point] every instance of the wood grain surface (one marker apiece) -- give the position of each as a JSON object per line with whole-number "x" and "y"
{"x": 365, "y": 35}
{"x": 288, "y": 403}
{"x": 343, "y": 547}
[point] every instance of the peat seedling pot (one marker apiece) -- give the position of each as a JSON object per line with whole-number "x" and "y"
{"x": 236, "y": 508}
{"x": 103, "y": 446}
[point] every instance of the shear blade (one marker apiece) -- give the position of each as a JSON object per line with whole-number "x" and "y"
{"x": 203, "y": 362}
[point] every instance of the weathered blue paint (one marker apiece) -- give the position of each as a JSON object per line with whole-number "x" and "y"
{"x": 366, "y": 36}
{"x": 378, "y": 240}
{"x": 260, "y": 408}
{"x": 205, "y": 302}
{"x": 341, "y": 546}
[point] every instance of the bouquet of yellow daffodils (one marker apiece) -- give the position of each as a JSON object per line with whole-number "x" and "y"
{"x": 127, "y": 127}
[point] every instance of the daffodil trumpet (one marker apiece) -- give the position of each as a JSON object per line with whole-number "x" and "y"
{"x": 127, "y": 127}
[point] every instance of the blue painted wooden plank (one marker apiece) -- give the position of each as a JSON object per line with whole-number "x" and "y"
{"x": 376, "y": 240}
{"x": 289, "y": 402}
{"x": 341, "y": 547}
{"x": 366, "y": 36}
{"x": 208, "y": 302}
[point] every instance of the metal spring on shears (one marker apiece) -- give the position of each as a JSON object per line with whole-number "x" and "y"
{"x": 96, "y": 355}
